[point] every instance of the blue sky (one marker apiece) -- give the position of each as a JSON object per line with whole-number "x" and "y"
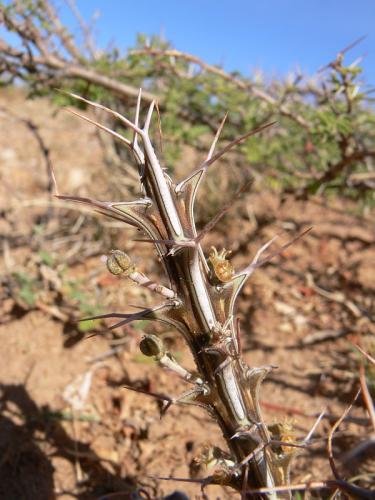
{"x": 273, "y": 35}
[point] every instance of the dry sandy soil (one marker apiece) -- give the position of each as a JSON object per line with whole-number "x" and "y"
{"x": 68, "y": 427}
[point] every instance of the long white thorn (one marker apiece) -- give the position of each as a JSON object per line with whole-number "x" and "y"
{"x": 136, "y": 119}
{"x": 102, "y": 127}
{"x": 254, "y": 263}
{"x": 216, "y": 138}
{"x": 148, "y": 117}
{"x": 233, "y": 143}
{"x": 313, "y": 428}
{"x": 209, "y": 161}
{"x": 257, "y": 263}
{"x": 110, "y": 111}
{"x": 54, "y": 180}
{"x": 117, "y": 115}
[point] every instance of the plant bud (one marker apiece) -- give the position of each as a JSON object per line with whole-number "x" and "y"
{"x": 222, "y": 268}
{"x": 151, "y": 345}
{"x": 119, "y": 262}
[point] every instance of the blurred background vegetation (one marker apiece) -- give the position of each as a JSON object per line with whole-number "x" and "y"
{"x": 323, "y": 141}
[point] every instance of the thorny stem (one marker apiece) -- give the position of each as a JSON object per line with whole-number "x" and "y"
{"x": 203, "y": 310}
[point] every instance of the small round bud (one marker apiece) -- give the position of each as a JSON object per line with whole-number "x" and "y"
{"x": 112, "y": 265}
{"x": 119, "y": 262}
{"x": 151, "y": 345}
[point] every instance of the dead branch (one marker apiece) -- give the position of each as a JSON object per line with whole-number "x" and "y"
{"x": 50, "y": 56}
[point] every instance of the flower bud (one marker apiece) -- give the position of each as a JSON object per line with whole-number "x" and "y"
{"x": 151, "y": 345}
{"x": 119, "y": 262}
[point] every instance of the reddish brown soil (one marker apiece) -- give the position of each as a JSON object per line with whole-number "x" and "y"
{"x": 113, "y": 441}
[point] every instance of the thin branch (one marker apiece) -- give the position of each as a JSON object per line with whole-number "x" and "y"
{"x": 313, "y": 485}
{"x": 366, "y": 354}
{"x": 332, "y": 431}
{"x": 89, "y": 41}
{"x": 241, "y": 84}
{"x": 341, "y": 53}
{"x": 367, "y": 396}
{"x": 44, "y": 62}
{"x": 314, "y": 427}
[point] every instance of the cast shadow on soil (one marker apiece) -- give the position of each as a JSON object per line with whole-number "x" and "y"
{"x": 26, "y": 472}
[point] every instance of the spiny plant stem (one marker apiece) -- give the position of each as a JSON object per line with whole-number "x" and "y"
{"x": 201, "y": 306}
